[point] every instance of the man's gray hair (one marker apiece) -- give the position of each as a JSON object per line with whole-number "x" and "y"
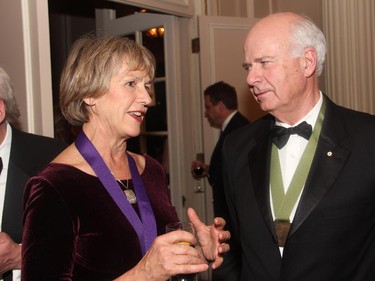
{"x": 306, "y": 34}
{"x": 12, "y": 112}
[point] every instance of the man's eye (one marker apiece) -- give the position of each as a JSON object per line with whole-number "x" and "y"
{"x": 246, "y": 66}
{"x": 264, "y": 62}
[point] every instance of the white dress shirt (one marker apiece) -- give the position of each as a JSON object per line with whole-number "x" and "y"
{"x": 4, "y": 154}
{"x": 291, "y": 153}
{"x": 227, "y": 120}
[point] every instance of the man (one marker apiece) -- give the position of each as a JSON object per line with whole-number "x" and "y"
{"x": 221, "y": 111}
{"x": 323, "y": 228}
{"x": 22, "y": 155}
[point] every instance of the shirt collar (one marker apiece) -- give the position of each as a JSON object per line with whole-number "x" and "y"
{"x": 227, "y": 120}
{"x": 310, "y": 117}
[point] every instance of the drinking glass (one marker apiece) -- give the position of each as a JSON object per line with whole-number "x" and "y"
{"x": 186, "y": 226}
{"x": 198, "y": 171}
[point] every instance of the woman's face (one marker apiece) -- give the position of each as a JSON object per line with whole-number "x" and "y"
{"x": 121, "y": 110}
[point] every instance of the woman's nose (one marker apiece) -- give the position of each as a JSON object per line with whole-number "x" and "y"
{"x": 146, "y": 96}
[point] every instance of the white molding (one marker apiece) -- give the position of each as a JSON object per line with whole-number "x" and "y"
{"x": 44, "y": 71}
{"x": 28, "y": 65}
{"x": 38, "y": 81}
{"x": 173, "y": 7}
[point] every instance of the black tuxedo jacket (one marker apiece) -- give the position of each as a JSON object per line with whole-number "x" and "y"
{"x": 28, "y": 154}
{"x": 215, "y": 174}
{"x": 332, "y": 236}
{"x": 215, "y": 177}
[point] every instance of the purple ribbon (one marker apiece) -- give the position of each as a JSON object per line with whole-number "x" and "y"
{"x": 144, "y": 227}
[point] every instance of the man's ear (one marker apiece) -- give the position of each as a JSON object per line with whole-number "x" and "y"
{"x": 221, "y": 105}
{"x": 309, "y": 61}
{"x": 2, "y": 111}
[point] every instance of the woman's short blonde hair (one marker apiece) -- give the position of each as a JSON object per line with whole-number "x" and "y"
{"x": 91, "y": 64}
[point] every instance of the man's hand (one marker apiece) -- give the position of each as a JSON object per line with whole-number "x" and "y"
{"x": 10, "y": 253}
{"x": 199, "y": 169}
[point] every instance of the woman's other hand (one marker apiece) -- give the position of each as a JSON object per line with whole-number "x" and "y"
{"x": 211, "y": 238}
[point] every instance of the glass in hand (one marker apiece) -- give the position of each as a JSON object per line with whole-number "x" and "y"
{"x": 186, "y": 226}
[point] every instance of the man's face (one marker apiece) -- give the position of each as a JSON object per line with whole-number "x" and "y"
{"x": 275, "y": 77}
{"x": 212, "y": 113}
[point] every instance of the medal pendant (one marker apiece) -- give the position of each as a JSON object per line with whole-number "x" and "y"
{"x": 130, "y": 195}
{"x": 282, "y": 229}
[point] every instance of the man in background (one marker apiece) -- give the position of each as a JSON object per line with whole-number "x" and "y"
{"x": 221, "y": 111}
{"x": 21, "y": 156}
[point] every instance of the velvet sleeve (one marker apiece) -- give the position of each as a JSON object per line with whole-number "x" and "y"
{"x": 47, "y": 249}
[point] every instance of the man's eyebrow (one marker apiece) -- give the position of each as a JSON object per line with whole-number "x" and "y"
{"x": 257, "y": 60}
{"x": 263, "y": 58}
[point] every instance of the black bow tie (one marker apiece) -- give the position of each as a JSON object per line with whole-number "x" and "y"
{"x": 280, "y": 135}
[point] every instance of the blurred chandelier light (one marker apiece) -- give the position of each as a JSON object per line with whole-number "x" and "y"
{"x": 155, "y": 32}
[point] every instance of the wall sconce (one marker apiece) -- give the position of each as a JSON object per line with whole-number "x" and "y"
{"x": 156, "y": 32}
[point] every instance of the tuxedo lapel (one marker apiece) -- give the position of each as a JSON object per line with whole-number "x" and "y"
{"x": 16, "y": 179}
{"x": 330, "y": 158}
{"x": 12, "y": 213}
{"x": 259, "y": 163}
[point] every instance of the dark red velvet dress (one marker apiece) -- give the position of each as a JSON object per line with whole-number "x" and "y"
{"x": 73, "y": 230}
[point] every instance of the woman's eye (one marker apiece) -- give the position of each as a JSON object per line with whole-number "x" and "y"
{"x": 148, "y": 87}
{"x": 131, "y": 84}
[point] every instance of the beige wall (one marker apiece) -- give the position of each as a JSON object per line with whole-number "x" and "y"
{"x": 232, "y": 8}
{"x": 311, "y": 8}
{"x": 25, "y": 54}
{"x": 12, "y": 56}
{"x": 261, "y": 8}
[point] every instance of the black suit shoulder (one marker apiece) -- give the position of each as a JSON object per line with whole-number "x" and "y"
{"x": 237, "y": 121}
{"x": 346, "y": 126}
{"x": 347, "y": 115}
{"x": 32, "y": 152}
{"x": 243, "y": 137}
{"x": 28, "y": 154}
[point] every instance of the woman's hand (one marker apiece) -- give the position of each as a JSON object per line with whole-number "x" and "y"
{"x": 167, "y": 258}
{"x": 211, "y": 238}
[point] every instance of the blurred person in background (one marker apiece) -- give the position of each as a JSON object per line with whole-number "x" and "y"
{"x": 221, "y": 111}
{"x": 21, "y": 156}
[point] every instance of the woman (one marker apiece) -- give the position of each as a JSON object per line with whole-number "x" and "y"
{"x": 98, "y": 212}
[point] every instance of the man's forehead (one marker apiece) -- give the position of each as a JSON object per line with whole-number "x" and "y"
{"x": 260, "y": 45}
